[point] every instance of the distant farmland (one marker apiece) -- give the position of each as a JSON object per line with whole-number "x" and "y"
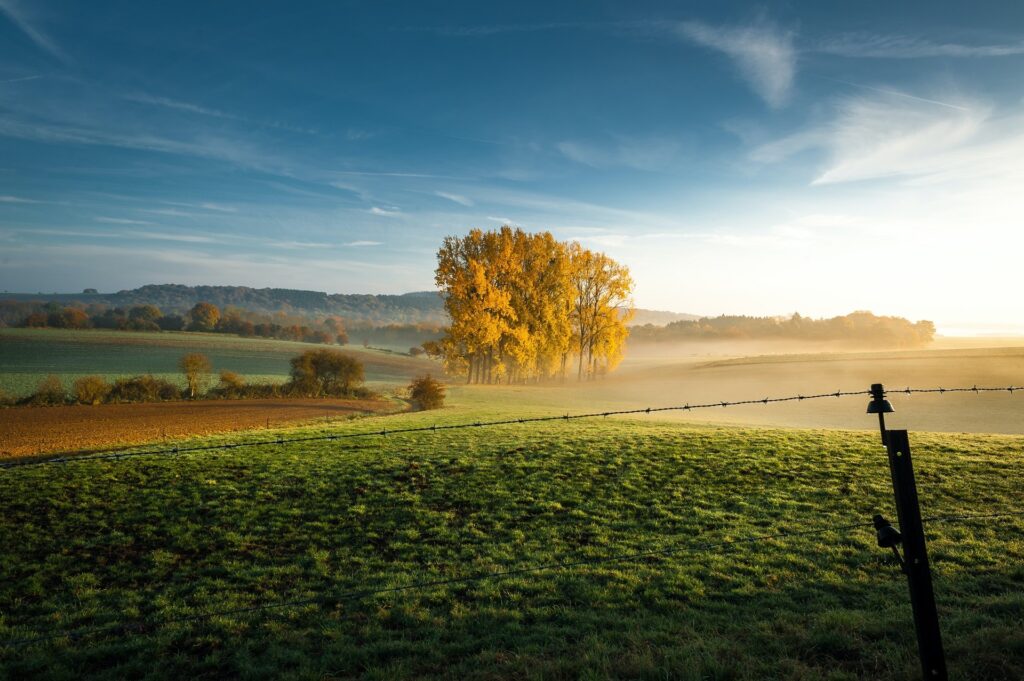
{"x": 28, "y": 355}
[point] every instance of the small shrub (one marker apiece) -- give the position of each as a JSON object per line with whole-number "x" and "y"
{"x": 196, "y": 367}
{"x": 416, "y": 351}
{"x": 171, "y": 323}
{"x": 261, "y": 390}
{"x": 49, "y": 393}
{"x": 90, "y": 390}
{"x": 231, "y": 386}
{"x": 325, "y": 373}
{"x": 427, "y": 393}
{"x": 139, "y": 324}
{"x": 143, "y": 389}
{"x": 364, "y": 393}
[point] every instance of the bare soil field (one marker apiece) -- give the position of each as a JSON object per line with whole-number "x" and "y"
{"x": 25, "y": 431}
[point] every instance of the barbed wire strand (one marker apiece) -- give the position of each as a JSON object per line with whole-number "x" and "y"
{"x": 384, "y": 432}
{"x": 140, "y": 627}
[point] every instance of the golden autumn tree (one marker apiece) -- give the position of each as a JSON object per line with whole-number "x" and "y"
{"x": 601, "y": 308}
{"x": 479, "y": 310}
{"x": 517, "y": 315}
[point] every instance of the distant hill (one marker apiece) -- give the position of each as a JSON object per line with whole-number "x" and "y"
{"x": 660, "y": 317}
{"x": 418, "y": 307}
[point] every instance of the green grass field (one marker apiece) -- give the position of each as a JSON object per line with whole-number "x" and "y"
{"x": 156, "y": 538}
{"x": 29, "y": 355}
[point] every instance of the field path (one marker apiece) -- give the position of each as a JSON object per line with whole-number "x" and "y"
{"x": 37, "y": 430}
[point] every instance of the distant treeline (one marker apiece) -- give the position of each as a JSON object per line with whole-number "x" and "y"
{"x": 858, "y": 328}
{"x": 372, "y": 310}
{"x": 207, "y": 317}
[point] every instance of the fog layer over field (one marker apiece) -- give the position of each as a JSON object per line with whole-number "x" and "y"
{"x": 693, "y": 373}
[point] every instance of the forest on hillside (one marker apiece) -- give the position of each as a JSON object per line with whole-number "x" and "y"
{"x": 858, "y": 328}
{"x": 423, "y": 307}
{"x": 209, "y": 318}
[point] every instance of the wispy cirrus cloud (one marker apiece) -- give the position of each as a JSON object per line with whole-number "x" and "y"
{"x": 484, "y": 30}
{"x": 7, "y": 198}
{"x": 650, "y": 153}
{"x": 171, "y": 236}
{"x": 763, "y": 52}
{"x": 916, "y": 142}
{"x": 28, "y": 23}
{"x": 169, "y": 212}
{"x": 189, "y": 107}
{"x": 456, "y": 198}
{"x": 385, "y": 212}
{"x": 169, "y": 103}
{"x": 236, "y": 151}
{"x": 866, "y": 45}
{"x": 22, "y": 79}
{"x": 121, "y": 221}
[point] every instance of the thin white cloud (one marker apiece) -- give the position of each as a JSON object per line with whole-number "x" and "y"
{"x": 19, "y": 80}
{"x": 170, "y": 212}
{"x": 219, "y": 148}
{"x": 651, "y": 153}
{"x": 28, "y": 25}
{"x": 884, "y": 137}
{"x": 189, "y": 107}
{"x": 16, "y": 199}
{"x": 865, "y": 45}
{"x": 183, "y": 238}
{"x": 370, "y": 173}
{"x": 121, "y": 221}
{"x": 376, "y": 210}
{"x": 218, "y": 207}
{"x": 504, "y": 221}
{"x": 364, "y": 243}
{"x": 358, "y": 191}
{"x": 206, "y": 205}
{"x": 457, "y": 198}
{"x": 169, "y": 103}
{"x": 897, "y": 93}
{"x": 763, "y": 53}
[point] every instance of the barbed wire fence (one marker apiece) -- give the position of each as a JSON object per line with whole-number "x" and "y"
{"x": 129, "y": 452}
{"x": 911, "y": 523}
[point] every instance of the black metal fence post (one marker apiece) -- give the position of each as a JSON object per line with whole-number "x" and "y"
{"x": 915, "y": 556}
{"x": 915, "y": 552}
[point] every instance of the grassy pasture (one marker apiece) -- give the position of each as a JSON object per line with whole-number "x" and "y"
{"x": 154, "y": 538}
{"x": 28, "y": 355}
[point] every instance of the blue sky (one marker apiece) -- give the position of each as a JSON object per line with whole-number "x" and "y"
{"x": 758, "y": 159}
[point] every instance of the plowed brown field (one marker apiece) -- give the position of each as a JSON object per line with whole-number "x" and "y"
{"x": 36, "y": 430}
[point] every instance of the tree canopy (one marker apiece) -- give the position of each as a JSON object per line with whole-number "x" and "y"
{"x": 523, "y": 305}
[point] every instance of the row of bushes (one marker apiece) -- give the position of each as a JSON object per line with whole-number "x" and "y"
{"x": 147, "y": 388}
{"x": 96, "y": 390}
{"x": 315, "y": 373}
